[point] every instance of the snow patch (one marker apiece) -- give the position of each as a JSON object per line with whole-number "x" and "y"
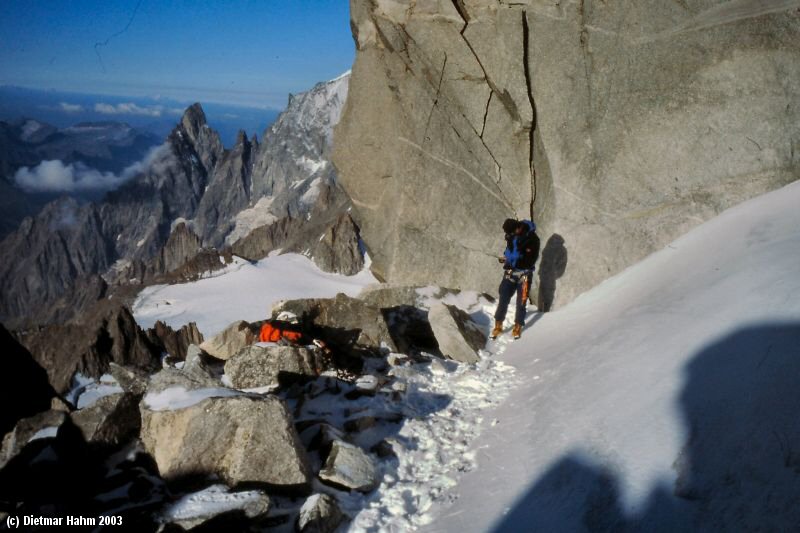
{"x": 249, "y": 219}
{"x": 242, "y": 291}
{"x": 174, "y": 398}
{"x": 212, "y": 501}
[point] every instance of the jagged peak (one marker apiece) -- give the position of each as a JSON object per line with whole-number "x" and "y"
{"x": 193, "y": 119}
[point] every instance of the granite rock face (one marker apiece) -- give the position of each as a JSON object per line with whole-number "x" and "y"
{"x": 618, "y": 127}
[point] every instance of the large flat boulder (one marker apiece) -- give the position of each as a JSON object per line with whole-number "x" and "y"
{"x": 241, "y": 439}
{"x": 458, "y": 336}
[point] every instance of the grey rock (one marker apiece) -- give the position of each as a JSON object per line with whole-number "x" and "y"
{"x": 350, "y": 467}
{"x": 41, "y": 425}
{"x": 257, "y": 366}
{"x": 132, "y": 380}
{"x": 458, "y": 336}
{"x": 319, "y": 514}
{"x": 195, "y": 363}
{"x": 230, "y": 341}
{"x": 109, "y": 422}
{"x": 189, "y": 379}
{"x": 356, "y": 320}
{"x": 337, "y": 250}
{"x": 240, "y": 439}
{"x": 460, "y": 114}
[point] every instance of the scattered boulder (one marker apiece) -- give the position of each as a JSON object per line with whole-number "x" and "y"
{"x": 109, "y": 422}
{"x": 230, "y": 341}
{"x": 261, "y": 366}
{"x": 458, "y": 336}
{"x": 240, "y": 439}
{"x": 350, "y": 467}
{"x": 32, "y": 393}
{"x": 319, "y": 514}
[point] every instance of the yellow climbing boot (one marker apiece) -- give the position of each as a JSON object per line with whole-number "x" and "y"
{"x": 517, "y": 331}
{"x": 498, "y": 329}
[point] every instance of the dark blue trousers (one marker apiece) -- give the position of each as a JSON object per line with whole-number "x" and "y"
{"x": 508, "y": 287}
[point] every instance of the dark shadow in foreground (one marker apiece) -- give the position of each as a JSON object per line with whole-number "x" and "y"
{"x": 738, "y": 471}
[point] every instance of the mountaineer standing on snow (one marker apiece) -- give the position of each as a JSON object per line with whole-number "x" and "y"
{"x": 519, "y": 258}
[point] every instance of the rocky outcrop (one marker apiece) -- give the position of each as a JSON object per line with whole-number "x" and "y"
{"x": 257, "y": 366}
{"x": 240, "y": 439}
{"x": 457, "y": 335}
{"x": 90, "y": 347}
{"x": 175, "y": 343}
{"x": 616, "y": 127}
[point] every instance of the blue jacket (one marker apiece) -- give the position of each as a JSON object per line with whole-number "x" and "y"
{"x": 522, "y": 251}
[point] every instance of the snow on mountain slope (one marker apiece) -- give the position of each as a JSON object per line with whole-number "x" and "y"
{"x": 242, "y": 291}
{"x": 664, "y": 399}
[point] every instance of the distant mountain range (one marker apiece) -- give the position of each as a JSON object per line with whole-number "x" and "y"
{"x": 191, "y": 203}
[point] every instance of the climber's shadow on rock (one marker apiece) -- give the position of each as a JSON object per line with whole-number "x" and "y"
{"x": 551, "y": 267}
{"x": 739, "y": 469}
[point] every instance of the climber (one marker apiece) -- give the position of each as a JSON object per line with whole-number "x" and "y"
{"x": 519, "y": 258}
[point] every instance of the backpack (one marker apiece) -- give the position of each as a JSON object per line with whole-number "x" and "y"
{"x": 513, "y": 253}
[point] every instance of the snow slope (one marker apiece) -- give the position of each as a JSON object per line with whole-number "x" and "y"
{"x": 242, "y": 291}
{"x": 666, "y": 398}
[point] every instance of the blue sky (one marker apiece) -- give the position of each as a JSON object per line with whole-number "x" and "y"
{"x": 251, "y": 53}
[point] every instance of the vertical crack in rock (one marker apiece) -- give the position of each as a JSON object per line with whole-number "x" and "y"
{"x": 529, "y": 85}
{"x": 436, "y": 98}
{"x": 462, "y": 12}
{"x": 486, "y": 112}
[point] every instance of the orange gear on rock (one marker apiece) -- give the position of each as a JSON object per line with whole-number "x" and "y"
{"x": 270, "y": 333}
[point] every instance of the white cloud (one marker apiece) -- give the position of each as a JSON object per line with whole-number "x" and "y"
{"x": 70, "y": 108}
{"x": 55, "y": 176}
{"x": 129, "y": 108}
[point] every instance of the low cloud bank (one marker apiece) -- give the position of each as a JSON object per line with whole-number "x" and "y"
{"x": 129, "y": 108}
{"x": 70, "y": 108}
{"x": 55, "y": 176}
